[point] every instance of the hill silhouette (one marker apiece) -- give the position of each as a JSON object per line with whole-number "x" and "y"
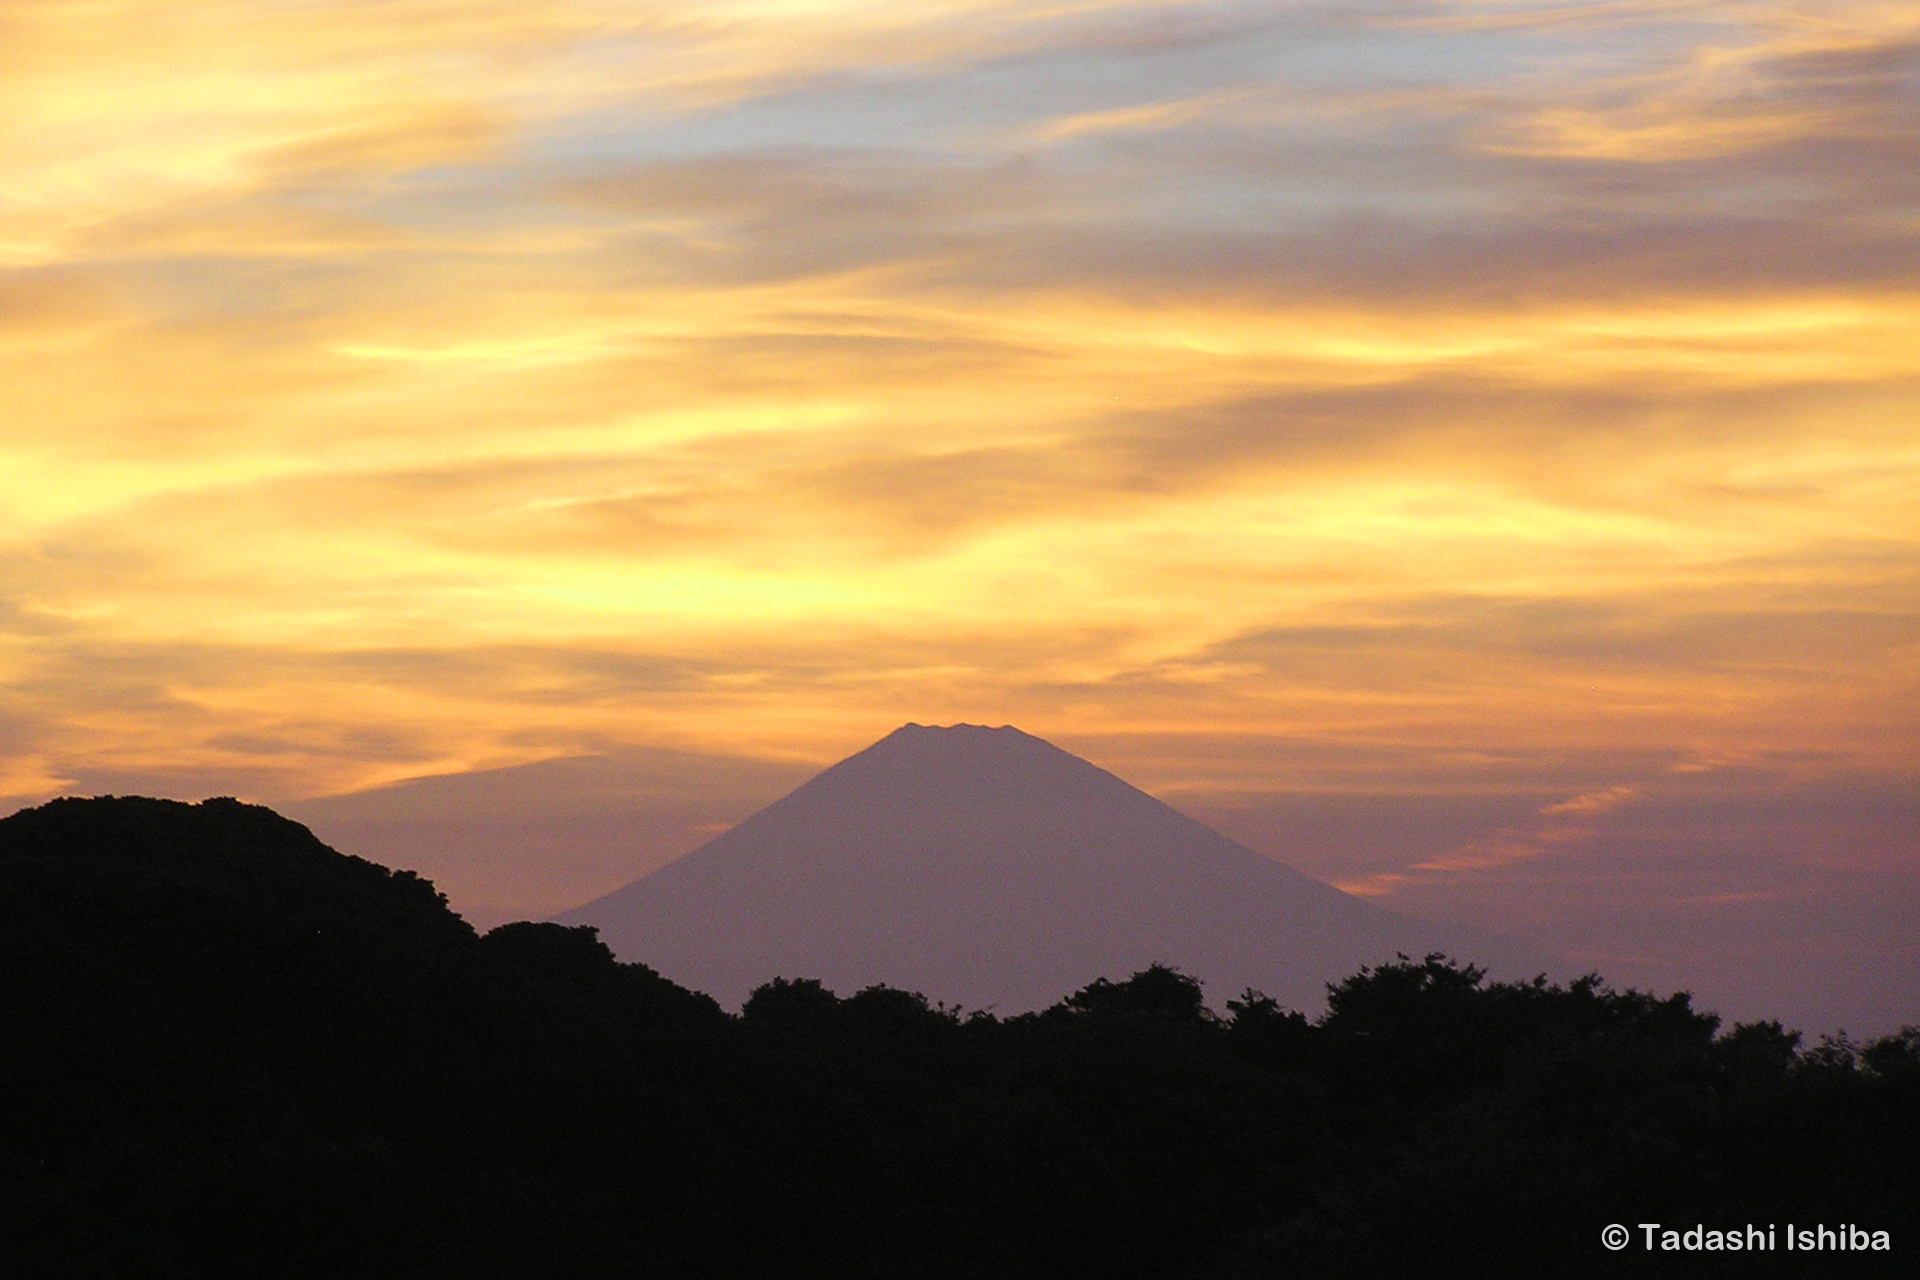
{"x": 225, "y": 1039}
{"x": 231, "y": 1050}
{"x": 989, "y": 868}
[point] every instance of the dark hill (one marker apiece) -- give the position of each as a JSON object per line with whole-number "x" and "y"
{"x": 211, "y": 909}
{"x": 230, "y": 1049}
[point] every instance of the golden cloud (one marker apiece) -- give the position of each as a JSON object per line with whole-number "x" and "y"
{"x": 398, "y": 389}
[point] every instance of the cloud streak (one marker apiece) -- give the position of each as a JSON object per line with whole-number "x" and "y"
{"x": 1506, "y": 397}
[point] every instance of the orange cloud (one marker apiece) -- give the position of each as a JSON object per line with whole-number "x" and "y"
{"x": 399, "y": 389}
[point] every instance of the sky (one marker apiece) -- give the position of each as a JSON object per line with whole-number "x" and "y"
{"x": 1469, "y": 451}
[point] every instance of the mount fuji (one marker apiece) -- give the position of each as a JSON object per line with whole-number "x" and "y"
{"x": 987, "y": 868}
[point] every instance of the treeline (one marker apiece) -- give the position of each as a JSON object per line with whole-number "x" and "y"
{"x": 226, "y": 1049}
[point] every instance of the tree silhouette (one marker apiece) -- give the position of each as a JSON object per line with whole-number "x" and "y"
{"x": 1158, "y": 991}
{"x": 229, "y": 1049}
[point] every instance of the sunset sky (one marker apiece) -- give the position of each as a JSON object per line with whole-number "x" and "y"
{"x": 1469, "y": 451}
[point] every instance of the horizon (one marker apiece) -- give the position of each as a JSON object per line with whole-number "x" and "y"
{"x": 369, "y": 833}
{"x": 1462, "y": 450}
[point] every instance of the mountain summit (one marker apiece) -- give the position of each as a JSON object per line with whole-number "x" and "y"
{"x": 989, "y": 868}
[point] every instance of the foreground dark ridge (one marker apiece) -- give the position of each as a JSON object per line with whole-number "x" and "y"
{"x": 231, "y": 1050}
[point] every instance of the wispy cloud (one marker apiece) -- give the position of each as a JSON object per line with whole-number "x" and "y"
{"x": 391, "y": 390}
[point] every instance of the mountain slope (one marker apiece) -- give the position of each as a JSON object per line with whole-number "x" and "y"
{"x": 989, "y": 868}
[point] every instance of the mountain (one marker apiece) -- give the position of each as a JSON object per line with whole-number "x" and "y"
{"x": 988, "y": 868}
